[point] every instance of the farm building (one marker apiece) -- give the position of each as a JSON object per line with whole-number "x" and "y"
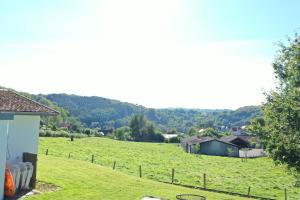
{"x": 240, "y": 141}
{"x": 19, "y": 132}
{"x": 210, "y": 146}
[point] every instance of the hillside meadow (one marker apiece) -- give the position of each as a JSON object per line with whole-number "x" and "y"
{"x": 158, "y": 159}
{"x": 77, "y": 180}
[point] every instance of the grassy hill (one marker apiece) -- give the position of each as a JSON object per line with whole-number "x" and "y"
{"x": 79, "y": 180}
{"x": 157, "y": 160}
{"x": 115, "y": 113}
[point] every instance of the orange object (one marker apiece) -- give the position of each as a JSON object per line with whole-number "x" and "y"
{"x": 9, "y": 187}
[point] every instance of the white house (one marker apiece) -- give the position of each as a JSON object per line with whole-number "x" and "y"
{"x": 19, "y": 129}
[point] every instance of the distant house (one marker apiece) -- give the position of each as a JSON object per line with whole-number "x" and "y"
{"x": 169, "y": 136}
{"x": 210, "y": 146}
{"x": 239, "y": 131}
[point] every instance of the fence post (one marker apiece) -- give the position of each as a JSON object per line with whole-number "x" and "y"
{"x": 93, "y": 158}
{"x": 285, "y": 194}
{"x": 140, "y": 171}
{"x": 46, "y": 152}
{"x": 249, "y": 188}
{"x": 204, "y": 181}
{"x": 173, "y": 174}
{"x": 114, "y": 166}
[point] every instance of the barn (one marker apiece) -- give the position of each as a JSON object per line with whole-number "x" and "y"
{"x": 210, "y": 146}
{"x": 19, "y": 131}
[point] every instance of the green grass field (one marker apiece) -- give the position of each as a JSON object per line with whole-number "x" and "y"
{"x": 78, "y": 180}
{"x": 157, "y": 160}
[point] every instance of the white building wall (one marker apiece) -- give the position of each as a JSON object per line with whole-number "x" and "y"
{"x": 23, "y": 137}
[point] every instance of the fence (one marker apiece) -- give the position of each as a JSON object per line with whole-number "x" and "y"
{"x": 252, "y": 153}
{"x": 202, "y": 185}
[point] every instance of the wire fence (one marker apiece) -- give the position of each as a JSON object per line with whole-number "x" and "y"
{"x": 169, "y": 176}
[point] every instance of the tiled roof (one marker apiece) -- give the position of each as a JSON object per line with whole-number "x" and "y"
{"x": 11, "y": 102}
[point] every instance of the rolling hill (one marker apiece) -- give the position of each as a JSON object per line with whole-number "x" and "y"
{"x": 112, "y": 113}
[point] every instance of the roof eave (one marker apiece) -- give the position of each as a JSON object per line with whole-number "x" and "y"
{"x": 31, "y": 113}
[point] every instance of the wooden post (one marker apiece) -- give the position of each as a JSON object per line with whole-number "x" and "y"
{"x": 204, "y": 181}
{"x": 285, "y": 194}
{"x": 173, "y": 174}
{"x": 93, "y": 158}
{"x": 114, "y": 166}
{"x": 32, "y": 158}
{"x": 140, "y": 171}
{"x": 249, "y": 188}
{"x": 69, "y": 155}
{"x": 46, "y": 152}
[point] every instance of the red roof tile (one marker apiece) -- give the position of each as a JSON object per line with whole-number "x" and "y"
{"x": 11, "y": 102}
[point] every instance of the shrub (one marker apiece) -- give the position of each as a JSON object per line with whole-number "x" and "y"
{"x": 50, "y": 133}
{"x": 78, "y": 135}
{"x": 174, "y": 140}
{"x": 42, "y": 133}
{"x": 123, "y": 133}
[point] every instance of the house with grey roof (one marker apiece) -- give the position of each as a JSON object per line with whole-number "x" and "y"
{"x": 19, "y": 131}
{"x": 225, "y": 146}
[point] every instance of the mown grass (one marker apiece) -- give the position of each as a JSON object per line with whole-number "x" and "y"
{"x": 157, "y": 160}
{"x": 79, "y": 180}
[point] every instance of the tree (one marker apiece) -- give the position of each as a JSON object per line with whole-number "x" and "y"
{"x": 210, "y": 132}
{"x": 192, "y": 131}
{"x": 279, "y": 128}
{"x": 137, "y": 125}
{"x": 143, "y": 130}
{"x": 123, "y": 133}
{"x": 173, "y": 131}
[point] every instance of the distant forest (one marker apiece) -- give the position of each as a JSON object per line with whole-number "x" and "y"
{"x": 105, "y": 113}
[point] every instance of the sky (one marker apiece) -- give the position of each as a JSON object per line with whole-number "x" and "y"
{"x": 158, "y": 53}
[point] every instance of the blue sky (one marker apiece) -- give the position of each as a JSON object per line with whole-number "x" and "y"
{"x": 215, "y": 20}
{"x": 172, "y": 53}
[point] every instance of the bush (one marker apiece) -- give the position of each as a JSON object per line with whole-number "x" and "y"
{"x": 63, "y": 129}
{"x": 50, "y": 133}
{"x": 123, "y": 133}
{"x": 97, "y": 134}
{"x": 42, "y": 133}
{"x": 154, "y": 137}
{"x": 174, "y": 140}
{"x": 78, "y": 135}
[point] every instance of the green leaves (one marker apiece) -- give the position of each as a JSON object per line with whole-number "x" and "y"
{"x": 280, "y": 126}
{"x": 143, "y": 130}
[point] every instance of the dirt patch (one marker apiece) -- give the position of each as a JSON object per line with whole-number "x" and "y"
{"x": 43, "y": 187}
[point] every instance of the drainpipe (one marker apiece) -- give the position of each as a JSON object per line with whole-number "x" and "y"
{"x": 4, "y": 124}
